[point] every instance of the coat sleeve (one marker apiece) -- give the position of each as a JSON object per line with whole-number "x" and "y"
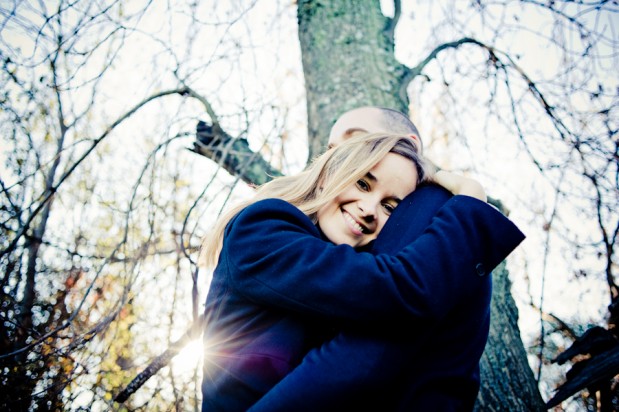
{"x": 276, "y": 258}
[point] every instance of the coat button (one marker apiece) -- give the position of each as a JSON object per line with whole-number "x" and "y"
{"x": 481, "y": 270}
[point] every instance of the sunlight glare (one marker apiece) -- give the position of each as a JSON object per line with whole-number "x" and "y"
{"x": 189, "y": 358}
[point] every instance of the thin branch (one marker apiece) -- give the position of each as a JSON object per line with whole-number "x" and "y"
{"x": 411, "y": 73}
{"x": 51, "y": 191}
{"x": 194, "y": 331}
{"x": 393, "y": 22}
{"x": 552, "y": 318}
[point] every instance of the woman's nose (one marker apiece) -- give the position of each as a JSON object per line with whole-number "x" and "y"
{"x": 368, "y": 210}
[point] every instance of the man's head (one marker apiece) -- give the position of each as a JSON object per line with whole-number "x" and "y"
{"x": 372, "y": 119}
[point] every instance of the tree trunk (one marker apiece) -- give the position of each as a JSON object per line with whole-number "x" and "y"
{"x": 507, "y": 382}
{"x": 348, "y": 61}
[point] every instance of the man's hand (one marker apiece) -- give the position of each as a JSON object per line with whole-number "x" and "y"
{"x": 460, "y": 185}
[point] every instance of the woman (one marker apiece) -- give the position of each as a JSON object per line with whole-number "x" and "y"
{"x": 303, "y": 225}
{"x": 344, "y": 197}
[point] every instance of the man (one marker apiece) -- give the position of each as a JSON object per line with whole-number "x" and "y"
{"x": 430, "y": 363}
{"x": 371, "y": 120}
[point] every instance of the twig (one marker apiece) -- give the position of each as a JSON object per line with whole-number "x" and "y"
{"x": 162, "y": 360}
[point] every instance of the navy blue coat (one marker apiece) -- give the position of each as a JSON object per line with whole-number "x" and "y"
{"x": 279, "y": 283}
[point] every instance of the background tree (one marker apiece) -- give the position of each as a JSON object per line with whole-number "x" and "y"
{"x": 102, "y": 207}
{"x": 351, "y": 36}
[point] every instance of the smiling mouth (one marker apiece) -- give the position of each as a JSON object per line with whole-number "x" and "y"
{"x": 356, "y": 227}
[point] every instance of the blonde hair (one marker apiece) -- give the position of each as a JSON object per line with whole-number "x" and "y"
{"x": 325, "y": 178}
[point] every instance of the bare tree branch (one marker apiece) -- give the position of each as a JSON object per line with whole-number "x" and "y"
{"x": 411, "y": 73}
{"x": 162, "y": 360}
{"x": 47, "y": 195}
{"x": 234, "y": 154}
{"x": 392, "y": 23}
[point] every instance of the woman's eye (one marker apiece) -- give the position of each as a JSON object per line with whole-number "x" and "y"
{"x": 363, "y": 185}
{"x": 389, "y": 208}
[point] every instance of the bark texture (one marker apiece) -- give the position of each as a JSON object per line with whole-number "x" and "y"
{"x": 348, "y": 61}
{"x": 507, "y": 382}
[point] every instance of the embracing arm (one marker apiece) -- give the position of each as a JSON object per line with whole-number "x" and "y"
{"x": 460, "y": 185}
{"x": 285, "y": 264}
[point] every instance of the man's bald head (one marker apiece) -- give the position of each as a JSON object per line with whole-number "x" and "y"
{"x": 372, "y": 119}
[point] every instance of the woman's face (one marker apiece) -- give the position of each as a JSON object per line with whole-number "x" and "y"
{"x": 358, "y": 214}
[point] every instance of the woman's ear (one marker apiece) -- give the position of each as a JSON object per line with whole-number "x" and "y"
{"x": 320, "y": 184}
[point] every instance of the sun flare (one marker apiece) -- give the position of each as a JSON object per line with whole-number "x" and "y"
{"x": 189, "y": 358}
